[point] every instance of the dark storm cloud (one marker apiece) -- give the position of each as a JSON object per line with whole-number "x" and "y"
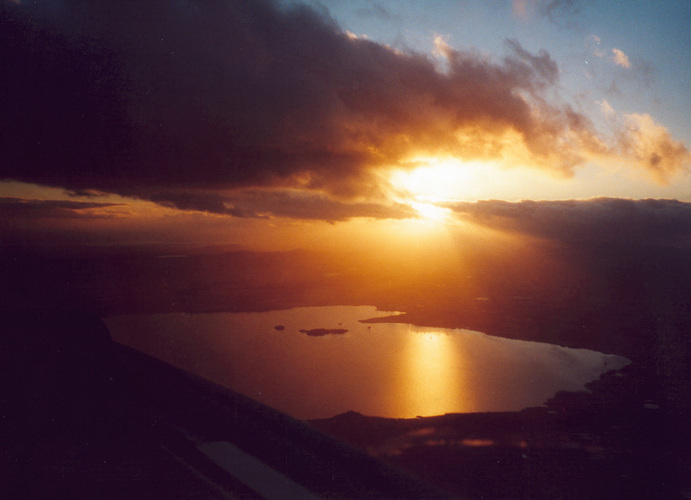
{"x": 17, "y": 208}
{"x": 200, "y": 201}
{"x": 306, "y": 205}
{"x": 293, "y": 204}
{"x": 151, "y": 98}
{"x": 597, "y": 220}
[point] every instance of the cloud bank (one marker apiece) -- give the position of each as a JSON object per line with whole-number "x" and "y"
{"x": 600, "y": 220}
{"x": 180, "y": 101}
{"x": 17, "y": 208}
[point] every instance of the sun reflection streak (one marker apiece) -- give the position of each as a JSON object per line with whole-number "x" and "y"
{"x": 431, "y": 374}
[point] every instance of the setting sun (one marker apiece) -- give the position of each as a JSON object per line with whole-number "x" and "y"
{"x": 430, "y": 211}
{"x": 436, "y": 179}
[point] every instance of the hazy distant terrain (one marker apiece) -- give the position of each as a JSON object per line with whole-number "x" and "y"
{"x": 631, "y": 300}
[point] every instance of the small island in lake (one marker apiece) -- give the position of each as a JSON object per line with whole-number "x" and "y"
{"x": 320, "y": 332}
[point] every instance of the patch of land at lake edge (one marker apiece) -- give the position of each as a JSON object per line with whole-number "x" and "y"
{"x": 613, "y": 441}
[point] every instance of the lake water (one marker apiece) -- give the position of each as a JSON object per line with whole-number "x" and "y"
{"x": 379, "y": 369}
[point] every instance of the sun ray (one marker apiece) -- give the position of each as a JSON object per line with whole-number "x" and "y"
{"x": 435, "y": 179}
{"x": 430, "y": 211}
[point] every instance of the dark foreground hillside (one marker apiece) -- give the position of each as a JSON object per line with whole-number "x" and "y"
{"x": 612, "y": 442}
{"x": 84, "y": 418}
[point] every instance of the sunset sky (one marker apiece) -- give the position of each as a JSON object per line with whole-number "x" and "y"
{"x": 282, "y": 124}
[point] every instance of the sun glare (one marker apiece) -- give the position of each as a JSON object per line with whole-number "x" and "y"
{"x": 436, "y": 179}
{"x": 430, "y": 211}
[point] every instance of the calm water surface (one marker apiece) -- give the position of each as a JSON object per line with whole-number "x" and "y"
{"x": 380, "y": 369}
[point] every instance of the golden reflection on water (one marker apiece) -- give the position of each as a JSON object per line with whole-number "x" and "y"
{"x": 390, "y": 369}
{"x": 432, "y": 376}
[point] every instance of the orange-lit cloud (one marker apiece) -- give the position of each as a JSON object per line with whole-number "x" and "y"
{"x": 650, "y": 145}
{"x": 606, "y": 108}
{"x": 620, "y": 59}
{"x": 186, "y": 104}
